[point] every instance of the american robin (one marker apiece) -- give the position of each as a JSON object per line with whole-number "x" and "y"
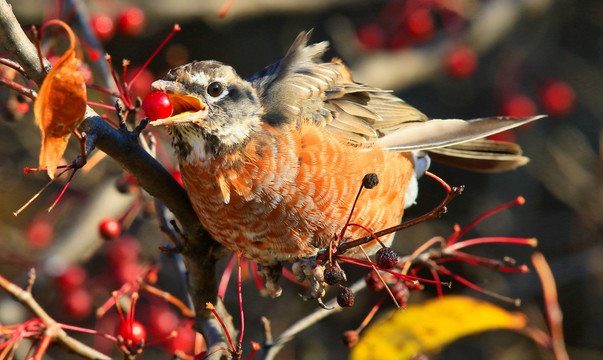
{"x": 272, "y": 163}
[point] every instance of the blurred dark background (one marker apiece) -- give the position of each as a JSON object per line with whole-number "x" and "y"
{"x": 450, "y": 59}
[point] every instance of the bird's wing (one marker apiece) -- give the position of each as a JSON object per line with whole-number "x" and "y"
{"x": 298, "y": 88}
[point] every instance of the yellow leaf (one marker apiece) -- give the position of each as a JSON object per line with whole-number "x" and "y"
{"x": 60, "y": 105}
{"x": 427, "y": 327}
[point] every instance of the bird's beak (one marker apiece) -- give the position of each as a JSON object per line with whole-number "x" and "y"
{"x": 187, "y": 108}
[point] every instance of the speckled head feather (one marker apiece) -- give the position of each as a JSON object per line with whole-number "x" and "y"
{"x": 231, "y": 109}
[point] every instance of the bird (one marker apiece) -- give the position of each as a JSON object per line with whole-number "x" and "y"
{"x": 272, "y": 162}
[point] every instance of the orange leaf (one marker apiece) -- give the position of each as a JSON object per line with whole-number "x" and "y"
{"x": 428, "y": 327}
{"x": 61, "y": 104}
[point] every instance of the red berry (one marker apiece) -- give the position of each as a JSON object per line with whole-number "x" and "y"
{"x": 518, "y": 105}
{"x": 371, "y": 36}
{"x": 157, "y": 105}
{"x": 78, "y": 303}
{"x": 132, "y": 332}
{"x": 401, "y": 293}
{"x": 123, "y": 250}
{"x": 508, "y": 136}
{"x": 420, "y": 24}
{"x": 162, "y": 321}
{"x": 39, "y": 233}
{"x": 131, "y": 21}
{"x": 109, "y": 228}
{"x": 461, "y": 62}
{"x": 558, "y": 98}
{"x": 22, "y": 107}
{"x": 102, "y": 25}
{"x": 386, "y": 258}
{"x": 86, "y": 72}
{"x": 53, "y": 59}
{"x": 398, "y": 40}
{"x": 126, "y": 272}
{"x": 345, "y": 298}
{"x": 373, "y": 282}
{"x": 184, "y": 341}
{"x": 72, "y": 278}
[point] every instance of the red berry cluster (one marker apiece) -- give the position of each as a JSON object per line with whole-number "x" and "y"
{"x": 404, "y": 23}
{"x": 131, "y": 21}
{"x": 76, "y": 300}
{"x": 557, "y": 98}
{"x": 123, "y": 257}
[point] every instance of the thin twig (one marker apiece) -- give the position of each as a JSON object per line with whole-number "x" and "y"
{"x": 435, "y": 213}
{"x": 13, "y": 65}
{"x": 54, "y": 329}
{"x": 30, "y": 93}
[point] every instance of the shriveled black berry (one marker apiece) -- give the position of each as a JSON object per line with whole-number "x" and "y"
{"x": 334, "y": 275}
{"x": 373, "y": 282}
{"x": 386, "y": 258}
{"x": 350, "y": 338}
{"x": 370, "y": 181}
{"x": 400, "y": 292}
{"x": 345, "y": 298}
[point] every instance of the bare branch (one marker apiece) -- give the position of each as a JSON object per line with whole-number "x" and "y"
{"x": 53, "y": 328}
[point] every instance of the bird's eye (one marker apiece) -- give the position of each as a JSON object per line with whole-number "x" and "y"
{"x": 215, "y": 89}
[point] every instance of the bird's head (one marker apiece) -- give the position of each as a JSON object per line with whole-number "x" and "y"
{"x": 215, "y": 111}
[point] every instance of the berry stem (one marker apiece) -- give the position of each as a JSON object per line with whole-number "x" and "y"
{"x": 457, "y": 235}
{"x": 124, "y": 84}
{"x": 226, "y": 276}
{"x": 420, "y": 250}
{"x": 553, "y": 311}
{"x": 368, "y": 231}
{"x": 440, "y": 180}
{"x": 436, "y": 277}
{"x": 63, "y": 190}
{"x": 435, "y": 213}
{"x": 240, "y": 300}
{"x": 473, "y": 286}
{"x": 486, "y": 240}
{"x": 144, "y": 66}
{"x": 87, "y": 331}
{"x": 100, "y": 105}
{"x": 256, "y": 277}
{"x": 347, "y": 223}
{"x": 102, "y": 89}
{"x": 371, "y": 314}
{"x": 117, "y": 83}
{"x": 16, "y": 213}
{"x": 367, "y": 264}
{"x": 212, "y": 308}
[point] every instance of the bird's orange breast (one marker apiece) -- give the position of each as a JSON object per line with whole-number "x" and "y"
{"x": 291, "y": 189}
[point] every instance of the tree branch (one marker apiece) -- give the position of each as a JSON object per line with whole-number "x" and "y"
{"x": 53, "y": 328}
